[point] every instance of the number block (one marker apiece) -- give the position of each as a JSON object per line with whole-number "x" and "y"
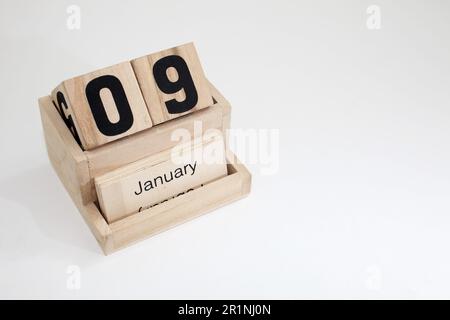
{"x": 102, "y": 106}
{"x": 172, "y": 82}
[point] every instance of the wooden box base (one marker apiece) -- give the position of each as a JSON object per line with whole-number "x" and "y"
{"x": 139, "y": 226}
{"x": 77, "y": 169}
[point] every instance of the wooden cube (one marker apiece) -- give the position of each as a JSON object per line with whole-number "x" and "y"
{"x": 172, "y": 82}
{"x": 102, "y": 106}
{"x": 77, "y": 170}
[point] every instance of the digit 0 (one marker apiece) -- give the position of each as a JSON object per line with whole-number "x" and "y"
{"x": 184, "y": 82}
{"x": 105, "y": 126}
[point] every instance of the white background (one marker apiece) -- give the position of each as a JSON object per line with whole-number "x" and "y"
{"x": 360, "y": 205}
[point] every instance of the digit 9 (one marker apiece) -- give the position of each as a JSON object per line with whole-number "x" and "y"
{"x": 184, "y": 82}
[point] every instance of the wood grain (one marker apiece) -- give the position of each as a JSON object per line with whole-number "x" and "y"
{"x": 155, "y": 98}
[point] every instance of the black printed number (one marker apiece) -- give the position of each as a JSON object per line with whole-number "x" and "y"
{"x": 184, "y": 82}
{"x": 105, "y": 126}
{"x": 61, "y": 105}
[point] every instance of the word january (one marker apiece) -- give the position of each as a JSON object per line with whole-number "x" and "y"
{"x": 165, "y": 178}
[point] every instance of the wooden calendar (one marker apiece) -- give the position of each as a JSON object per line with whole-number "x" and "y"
{"x": 110, "y": 138}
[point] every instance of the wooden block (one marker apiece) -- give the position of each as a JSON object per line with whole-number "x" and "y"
{"x": 172, "y": 82}
{"x": 145, "y": 183}
{"x": 102, "y": 106}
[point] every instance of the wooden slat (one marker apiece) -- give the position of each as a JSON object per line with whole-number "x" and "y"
{"x": 71, "y": 166}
